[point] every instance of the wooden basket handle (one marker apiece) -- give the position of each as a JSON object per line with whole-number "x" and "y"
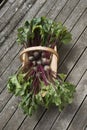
{"x": 39, "y": 48}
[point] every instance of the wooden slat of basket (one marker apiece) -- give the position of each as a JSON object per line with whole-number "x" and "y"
{"x": 54, "y": 61}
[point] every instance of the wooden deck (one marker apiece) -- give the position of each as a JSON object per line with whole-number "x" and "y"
{"x": 73, "y": 62}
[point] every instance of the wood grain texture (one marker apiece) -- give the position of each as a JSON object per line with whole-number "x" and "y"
{"x": 46, "y": 8}
{"x": 56, "y": 8}
{"x": 77, "y": 12}
{"x": 74, "y": 54}
{"x": 73, "y": 62}
{"x": 66, "y": 116}
{"x": 76, "y": 32}
{"x": 14, "y": 20}
{"x": 7, "y": 59}
{"x": 4, "y": 8}
{"x": 66, "y": 11}
{"x": 70, "y": 64}
{"x": 8, "y": 42}
{"x": 13, "y": 67}
{"x": 9, "y": 13}
{"x": 6, "y": 96}
{"x": 83, "y": 24}
{"x": 15, "y": 120}
{"x": 30, "y": 122}
{"x": 8, "y": 111}
{"x": 80, "y": 119}
{"x": 52, "y": 117}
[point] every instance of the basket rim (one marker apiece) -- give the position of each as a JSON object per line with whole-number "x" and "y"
{"x": 38, "y": 48}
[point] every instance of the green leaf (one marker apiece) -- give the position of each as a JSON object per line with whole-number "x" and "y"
{"x": 30, "y": 111}
{"x": 27, "y": 24}
{"x": 66, "y": 38}
{"x": 47, "y": 30}
{"x": 13, "y": 85}
{"x": 59, "y": 94}
{"x": 57, "y": 101}
{"x": 62, "y": 76}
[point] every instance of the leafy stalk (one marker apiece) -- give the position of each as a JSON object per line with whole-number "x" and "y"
{"x": 44, "y": 32}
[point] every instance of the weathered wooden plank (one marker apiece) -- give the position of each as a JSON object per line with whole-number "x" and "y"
{"x": 4, "y": 68}
{"x": 80, "y": 119}
{"x": 47, "y": 123}
{"x": 56, "y": 8}
{"x": 4, "y": 9}
{"x": 6, "y": 6}
{"x": 76, "y": 13}
{"x": 76, "y": 32}
{"x": 83, "y": 24}
{"x": 32, "y": 13}
{"x": 6, "y": 31}
{"x": 74, "y": 54}
{"x": 8, "y": 111}
{"x": 15, "y": 19}
{"x": 31, "y": 121}
{"x": 66, "y": 116}
{"x": 18, "y": 117}
{"x": 49, "y": 116}
{"x": 10, "y": 70}
{"x": 15, "y": 122}
{"x": 7, "y": 44}
{"x": 45, "y": 9}
{"x": 82, "y": 46}
{"x": 4, "y": 48}
{"x": 66, "y": 11}
{"x": 11, "y": 40}
{"x": 47, "y": 119}
{"x": 78, "y": 69}
{"x": 4, "y": 97}
{"x": 9, "y": 13}
{"x": 7, "y": 59}
{"x": 3, "y": 65}
{"x": 11, "y": 1}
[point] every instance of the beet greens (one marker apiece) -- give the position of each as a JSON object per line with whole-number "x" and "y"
{"x": 35, "y": 82}
{"x": 43, "y": 32}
